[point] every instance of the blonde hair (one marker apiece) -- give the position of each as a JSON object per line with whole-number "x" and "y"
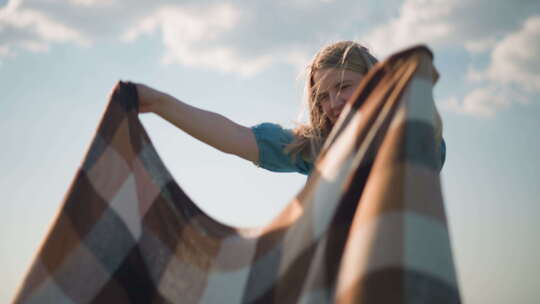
{"x": 346, "y": 55}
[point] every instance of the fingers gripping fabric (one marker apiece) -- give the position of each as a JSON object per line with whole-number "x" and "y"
{"x": 368, "y": 227}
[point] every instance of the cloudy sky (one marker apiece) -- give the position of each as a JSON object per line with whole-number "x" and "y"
{"x": 245, "y": 60}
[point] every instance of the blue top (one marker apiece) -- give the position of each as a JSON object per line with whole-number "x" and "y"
{"x": 272, "y": 139}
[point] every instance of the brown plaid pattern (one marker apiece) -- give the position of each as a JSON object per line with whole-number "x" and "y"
{"x": 368, "y": 227}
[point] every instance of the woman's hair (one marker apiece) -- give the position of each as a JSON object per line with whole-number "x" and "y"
{"x": 346, "y": 55}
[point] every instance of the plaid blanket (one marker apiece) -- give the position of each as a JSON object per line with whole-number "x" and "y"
{"x": 368, "y": 227}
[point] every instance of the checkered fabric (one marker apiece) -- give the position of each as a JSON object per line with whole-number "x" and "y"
{"x": 368, "y": 227}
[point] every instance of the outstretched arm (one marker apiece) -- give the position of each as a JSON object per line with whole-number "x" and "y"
{"x": 208, "y": 127}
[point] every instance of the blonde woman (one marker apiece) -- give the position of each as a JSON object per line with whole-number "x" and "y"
{"x": 332, "y": 77}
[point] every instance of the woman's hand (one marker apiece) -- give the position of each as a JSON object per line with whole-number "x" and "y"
{"x": 149, "y": 98}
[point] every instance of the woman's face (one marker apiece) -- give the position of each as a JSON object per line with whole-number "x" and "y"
{"x": 333, "y": 87}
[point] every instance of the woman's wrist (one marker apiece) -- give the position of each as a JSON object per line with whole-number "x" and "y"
{"x": 161, "y": 103}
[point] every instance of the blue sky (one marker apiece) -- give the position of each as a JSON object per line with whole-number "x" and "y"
{"x": 244, "y": 59}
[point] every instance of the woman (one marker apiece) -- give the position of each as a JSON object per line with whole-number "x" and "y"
{"x": 332, "y": 77}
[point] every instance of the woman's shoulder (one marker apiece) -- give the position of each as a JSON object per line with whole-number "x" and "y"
{"x": 271, "y": 126}
{"x": 274, "y": 131}
{"x": 272, "y": 138}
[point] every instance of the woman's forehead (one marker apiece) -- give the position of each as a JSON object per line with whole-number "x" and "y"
{"x": 325, "y": 79}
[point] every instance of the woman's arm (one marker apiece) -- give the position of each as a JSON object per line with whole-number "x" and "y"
{"x": 208, "y": 127}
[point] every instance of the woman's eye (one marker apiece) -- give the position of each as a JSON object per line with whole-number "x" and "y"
{"x": 323, "y": 97}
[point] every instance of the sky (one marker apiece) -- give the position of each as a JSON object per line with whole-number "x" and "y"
{"x": 59, "y": 61}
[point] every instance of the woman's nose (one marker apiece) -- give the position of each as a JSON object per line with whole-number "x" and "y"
{"x": 337, "y": 101}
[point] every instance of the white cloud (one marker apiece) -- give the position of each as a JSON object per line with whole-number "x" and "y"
{"x": 510, "y": 46}
{"x": 514, "y": 60}
{"x": 481, "y": 102}
{"x": 512, "y": 74}
{"x": 193, "y": 23}
{"x": 450, "y": 23}
{"x": 480, "y": 45}
{"x": 42, "y": 26}
{"x": 32, "y": 30}
{"x": 419, "y": 21}
{"x": 188, "y": 35}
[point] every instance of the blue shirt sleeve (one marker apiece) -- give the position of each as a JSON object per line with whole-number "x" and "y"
{"x": 443, "y": 153}
{"x": 271, "y": 139}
